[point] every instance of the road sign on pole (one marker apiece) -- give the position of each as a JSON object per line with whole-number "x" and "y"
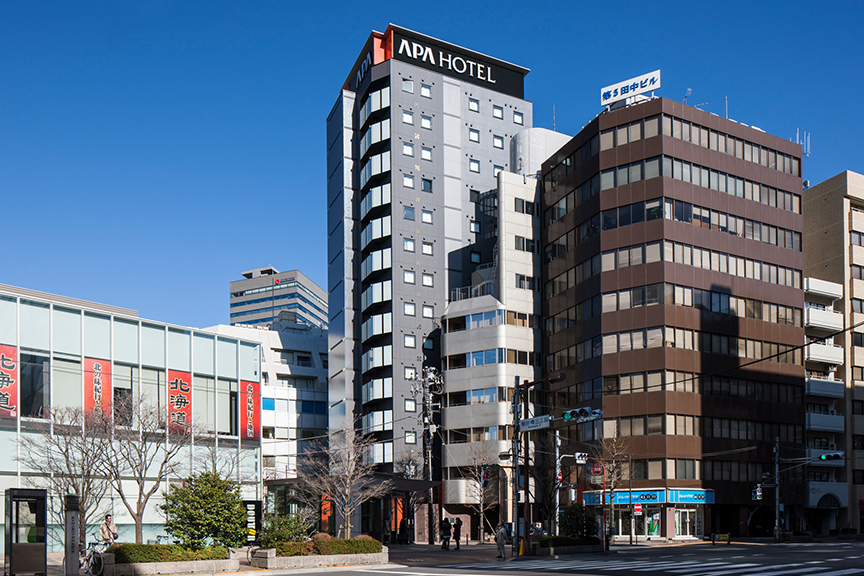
{"x": 637, "y": 509}
{"x": 536, "y": 423}
{"x": 597, "y": 469}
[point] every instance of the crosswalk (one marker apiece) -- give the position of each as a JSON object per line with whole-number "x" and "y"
{"x": 673, "y": 567}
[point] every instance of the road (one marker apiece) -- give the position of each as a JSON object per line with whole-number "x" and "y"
{"x": 793, "y": 559}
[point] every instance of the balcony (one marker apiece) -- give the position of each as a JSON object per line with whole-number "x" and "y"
{"x": 820, "y": 319}
{"x": 827, "y": 494}
{"x": 824, "y": 387}
{"x": 813, "y": 458}
{"x": 825, "y": 422}
{"x": 825, "y": 353}
{"x": 823, "y": 288}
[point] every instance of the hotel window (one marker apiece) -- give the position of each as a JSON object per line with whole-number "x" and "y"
{"x": 426, "y": 217}
{"x": 517, "y": 118}
{"x": 409, "y": 308}
{"x": 410, "y": 341}
{"x": 425, "y": 91}
{"x": 426, "y": 185}
{"x": 474, "y": 226}
{"x": 410, "y": 405}
{"x": 407, "y": 149}
{"x": 475, "y": 256}
{"x": 428, "y": 280}
{"x": 496, "y": 169}
{"x": 498, "y": 142}
{"x": 426, "y": 122}
{"x": 474, "y": 196}
{"x": 473, "y": 105}
{"x": 498, "y": 112}
{"x": 473, "y": 135}
{"x": 408, "y": 276}
{"x": 474, "y": 166}
{"x": 426, "y": 154}
{"x": 408, "y": 244}
{"x": 410, "y": 438}
{"x": 408, "y": 213}
{"x": 407, "y": 181}
{"x": 407, "y": 117}
{"x": 428, "y": 311}
{"x": 408, "y": 86}
{"x": 410, "y": 373}
{"x": 427, "y": 248}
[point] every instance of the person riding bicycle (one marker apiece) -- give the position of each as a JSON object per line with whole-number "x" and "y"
{"x": 108, "y": 531}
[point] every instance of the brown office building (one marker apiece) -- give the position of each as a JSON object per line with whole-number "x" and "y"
{"x": 672, "y": 286}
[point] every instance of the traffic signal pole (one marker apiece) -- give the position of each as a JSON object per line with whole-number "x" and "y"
{"x": 777, "y": 489}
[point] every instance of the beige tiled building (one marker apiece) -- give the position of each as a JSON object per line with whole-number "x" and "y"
{"x": 834, "y": 251}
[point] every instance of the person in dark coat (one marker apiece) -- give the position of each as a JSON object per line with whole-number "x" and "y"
{"x": 446, "y": 529}
{"x": 457, "y": 532}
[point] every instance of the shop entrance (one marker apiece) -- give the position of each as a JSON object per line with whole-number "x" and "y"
{"x": 688, "y": 522}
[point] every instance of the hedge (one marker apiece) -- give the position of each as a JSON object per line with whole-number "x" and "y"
{"x": 134, "y": 553}
{"x": 559, "y": 541}
{"x": 329, "y": 547}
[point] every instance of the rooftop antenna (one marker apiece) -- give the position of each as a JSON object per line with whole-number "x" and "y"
{"x": 727, "y": 107}
{"x": 701, "y": 104}
{"x": 689, "y": 91}
{"x": 553, "y": 117}
{"x": 804, "y": 141}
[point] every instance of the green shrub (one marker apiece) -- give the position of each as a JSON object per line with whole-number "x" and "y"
{"x": 329, "y": 547}
{"x": 294, "y": 549}
{"x": 321, "y": 537}
{"x": 134, "y": 553}
{"x": 278, "y": 529}
{"x": 206, "y": 509}
{"x": 577, "y": 521}
{"x": 559, "y": 541}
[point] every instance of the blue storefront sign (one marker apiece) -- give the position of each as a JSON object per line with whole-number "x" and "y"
{"x": 623, "y": 497}
{"x": 691, "y": 496}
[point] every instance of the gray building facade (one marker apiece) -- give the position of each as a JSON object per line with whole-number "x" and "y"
{"x": 263, "y": 293}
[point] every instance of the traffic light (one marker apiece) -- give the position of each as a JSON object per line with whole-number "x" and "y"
{"x": 485, "y": 478}
{"x": 831, "y": 456}
{"x": 583, "y": 414}
{"x": 757, "y": 493}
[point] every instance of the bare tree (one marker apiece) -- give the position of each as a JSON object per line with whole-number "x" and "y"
{"x": 140, "y": 452}
{"x": 481, "y": 458}
{"x": 615, "y": 453}
{"x": 341, "y": 471}
{"x": 65, "y": 454}
{"x": 410, "y": 466}
{"x": 210, "y": 457}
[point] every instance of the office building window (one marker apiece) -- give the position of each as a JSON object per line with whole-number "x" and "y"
{"x": 428, "y": 280}
{"x": 474, "y": 226}
{"x": 473, "y": 105}
{"x": 498, "y": 112}
{"x": 408, "y": 86}
{"x": 407, "y": 149}
{"x": 428, "y": 311}
{"x": 426, "y": 185}
{"x": 407, "y": 117}
{"x": 410, "y": 341}
{"x": 498, "y": 141}
{"x": 410, "y": 438}
{"x": 496, "y": 169}
{"x": 408, "y": 276}
{"x": 428, "y": 344}
{"x": 408, "y": 244}
{"x": 410, "y": 373}
{"x": 517, "y": 118}
{"x": 408, "y": 212}
{"x": 425, "y": 91}
{"x": 426, "y": 122}
{"x": 475, "y": 256}
{"x": 474, "y": 196}
{"x": 426, "y": 154}
{"x": 409, "y": 308}
{"x": 410, "y": 405}
{"x": 474, "y": 166}
{"x": 427, "y": 248}
{"x": 426, "y": 217}
{"x": 407, "y": 181}
{"x": 473, "y": 135}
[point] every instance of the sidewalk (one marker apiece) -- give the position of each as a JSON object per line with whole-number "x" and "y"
{"x": 424, "y": 554}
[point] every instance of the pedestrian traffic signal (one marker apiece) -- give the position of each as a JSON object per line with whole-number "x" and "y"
{"x": 485, "y": 478}
{"x": 582, "y": 414}
{"x": 831, "y": 456}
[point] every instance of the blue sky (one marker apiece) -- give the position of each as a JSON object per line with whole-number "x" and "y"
{"x": 151, "y": 151}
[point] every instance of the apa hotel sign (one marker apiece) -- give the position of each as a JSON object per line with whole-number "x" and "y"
{"x": 632, "y": 87}
{"x": 453, "y": 61}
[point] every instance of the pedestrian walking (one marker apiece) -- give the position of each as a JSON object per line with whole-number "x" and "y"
{"x": 501, "y": 540}
{"x": 108, "y": 531}
{"x": 446, "y": 529}
{"x": 457, "y": 532}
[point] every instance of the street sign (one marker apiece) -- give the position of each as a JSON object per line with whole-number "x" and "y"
{"x": 637, "y": 512}
{"x": 637, "y": 508}
{"x": 597, "y": 469}
{"x": 536, "y": 423}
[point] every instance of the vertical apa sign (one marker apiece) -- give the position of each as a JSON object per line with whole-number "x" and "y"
{"x": 179, "y": 400}
{"x": 98, "y": 394}
{"x": 8, "y": 382}
{"x": 250, "y": 411}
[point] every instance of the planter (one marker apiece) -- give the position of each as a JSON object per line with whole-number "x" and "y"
{"x": 267, "y": 559}
{"x": 586, "y": 549}
{"x": 145, "y": 568}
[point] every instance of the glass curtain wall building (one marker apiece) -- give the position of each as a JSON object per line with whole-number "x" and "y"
{"x": 60, "y": 352}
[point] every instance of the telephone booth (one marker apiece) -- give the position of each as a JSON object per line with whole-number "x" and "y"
{"x": 26, "y": 550}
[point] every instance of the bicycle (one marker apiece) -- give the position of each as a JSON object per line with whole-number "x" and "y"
{"x": 89, "y": 558}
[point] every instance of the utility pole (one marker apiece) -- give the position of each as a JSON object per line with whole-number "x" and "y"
{"x": 426, "y": 386}
{"x": 515, "y": 448}
{"x": 777, "y": 489}
{"x": 557, "y": 483}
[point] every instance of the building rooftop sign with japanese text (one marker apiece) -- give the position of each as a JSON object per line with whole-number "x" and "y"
{"x": 632, "y": 87}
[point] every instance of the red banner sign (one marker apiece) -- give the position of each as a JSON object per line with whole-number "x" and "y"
{"x": 250, "y": 411}
{"x": 8, "y": 382}
{"x": 179, "y": 399}
{"x": 98, "y": 394}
